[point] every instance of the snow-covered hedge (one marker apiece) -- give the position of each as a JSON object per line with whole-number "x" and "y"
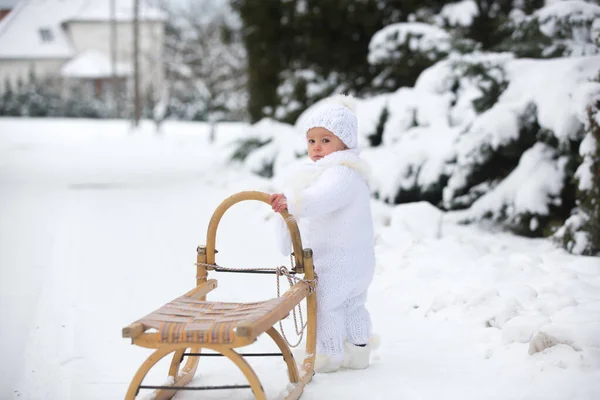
{"x": 302, "y": 86}
{"x": 396, "y": 42}
{"x": 269, "y": 146}
{"x": 535, "y": 193}
{"x": 560, "y": 29}
{"x": 581, "y": 232}
{"x": 447, "y": 106}
{"x": 495, "y": 137}
{"x": 400, "y": 50}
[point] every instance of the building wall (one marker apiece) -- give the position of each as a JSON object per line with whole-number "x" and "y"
{"x": 96, "y": 35}
{"x": 12, "y": 70}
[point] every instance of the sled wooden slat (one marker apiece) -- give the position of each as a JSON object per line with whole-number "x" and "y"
{"x": 190, "y": 323}
{"x": 209, "y": 323}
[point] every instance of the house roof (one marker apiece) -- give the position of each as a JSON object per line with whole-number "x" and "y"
{"x": 92, "y": 64}
{"x": 20, "y": 35}
{"x": 35, "y": 29}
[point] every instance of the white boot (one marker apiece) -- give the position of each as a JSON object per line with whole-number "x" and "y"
{"x": 357, "y": 357}
{"x": 325, "y": 364}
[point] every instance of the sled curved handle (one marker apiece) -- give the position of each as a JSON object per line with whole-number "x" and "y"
{"x": 211, "y": 235}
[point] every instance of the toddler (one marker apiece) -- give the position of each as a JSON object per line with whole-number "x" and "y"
{"x": 330, "y": 199}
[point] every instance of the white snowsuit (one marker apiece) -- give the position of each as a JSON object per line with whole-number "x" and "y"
{"x": 330, "y": 200}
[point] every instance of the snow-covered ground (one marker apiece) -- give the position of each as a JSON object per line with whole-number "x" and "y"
{"x": 98, "y": 226}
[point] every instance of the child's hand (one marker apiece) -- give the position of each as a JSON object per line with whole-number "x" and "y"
{"x": 278, "y": 202}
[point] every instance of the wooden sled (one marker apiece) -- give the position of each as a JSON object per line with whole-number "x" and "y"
{"x": 188, "y": 324}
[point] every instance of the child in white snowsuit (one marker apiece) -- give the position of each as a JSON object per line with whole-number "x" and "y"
{"x": 330, "y": 200}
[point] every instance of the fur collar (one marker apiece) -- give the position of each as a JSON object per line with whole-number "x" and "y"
{"x": 305, "y": 174}
{"x": 347, "y": 158}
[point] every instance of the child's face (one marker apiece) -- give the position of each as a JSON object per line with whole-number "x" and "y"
{"x": 322, "y": 142}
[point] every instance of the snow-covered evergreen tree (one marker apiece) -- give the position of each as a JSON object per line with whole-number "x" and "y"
{"x": 401, "y": 51}
{"x": 10, "y": 103}
{"x": 301, "y": 88}
{"x": 80, "y": 103}
{"x": 581, "y": 232}
{"x": 37, "y": 98}
{"x": 560, "y": 29}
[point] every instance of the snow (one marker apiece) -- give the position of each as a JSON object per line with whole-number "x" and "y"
{"x": 417, "y": 158}
{"x": 283, "y": 147}
{"x": 93, "y": 65}
{"x": 368, "y": 113}
{"x": 419, "y": 221}
{"x": 531, "y": 188}
{"x": 20, "y": 31}
{"x": 571, "y": 24}
{"x": 495, "y": 127}
{"x": 460, "y": 13}
{"x": 572, "y": 11}
{"x": 99, "y": 225}
{"x": 386, "y": 44}
{"x": 583, "y": 97}
{"x": 580, "y": 242}
{"x": 536, "y": 81}
{"x": 584, "y": 173}
{"x": 588, "y": 146}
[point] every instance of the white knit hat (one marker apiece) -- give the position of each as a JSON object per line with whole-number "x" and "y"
{"x": 336, "y": 114}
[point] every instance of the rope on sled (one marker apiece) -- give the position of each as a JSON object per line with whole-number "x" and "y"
{"x": 291, "y": 278}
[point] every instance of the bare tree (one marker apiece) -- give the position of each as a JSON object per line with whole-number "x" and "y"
{"x": 205, "y": 62}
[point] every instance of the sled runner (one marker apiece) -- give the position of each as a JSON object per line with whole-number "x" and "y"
{"x": 190, "y": 324}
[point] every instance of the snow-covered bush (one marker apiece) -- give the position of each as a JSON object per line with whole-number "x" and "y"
{"x": 489, "y": 134}
{"x": 536, "y": 196}
{"x": 459, "y": 14}
{"x": 401, "y": 51}
{"x": 487, "y": 151}
{"x": 581, "y": 232}
{"x": 422, "y": 129}
{"x": 268, "y": 147}
{"x": 48, "y": 98}
{"x": 301, "y": 88}
{"x": 414, "y": 167}
{"x": 493, "y": 136}
{"x": 9, "y": 104}
{"x": 480, "y": 78}
{"x": 560, "y": 29}
{"x": 523, "y": 201}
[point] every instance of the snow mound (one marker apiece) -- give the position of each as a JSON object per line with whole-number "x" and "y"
{"x": 521, "y": 329}
{"x": 542, "y": 341}
{"x": 421, "y": 220}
